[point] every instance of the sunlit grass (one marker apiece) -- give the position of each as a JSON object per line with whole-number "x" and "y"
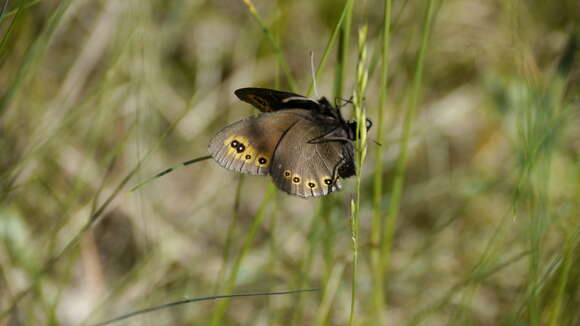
{"x": 377, "y": 218}
{"x": 360, "y": 156}
{"x": 464, "y": 213}
{"x": 408, "y": 121}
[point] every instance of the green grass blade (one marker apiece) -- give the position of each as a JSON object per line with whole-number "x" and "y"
{"x": 273, "y": 42}
{"x": 231, "y": 282}
{"x": 342, "y": 50}
{"x": 361, "y": 150}
{"x": 182, "y": 302}
{"x": 169, "y": 170}
{"x": 398, "y": 182}
{"x": 376, "y": 229}
{"x": 33, "y": 55}
{"x": 345, "y": 12}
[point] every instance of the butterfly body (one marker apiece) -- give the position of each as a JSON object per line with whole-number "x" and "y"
{"x": 304, "y": 144}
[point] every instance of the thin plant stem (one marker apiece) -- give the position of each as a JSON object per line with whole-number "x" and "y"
{"x": 361, "y": 148}
{"x": 305, "y": 266}
{"x": 326, "y": 203}
{"x": 330, "y": 289}
{"x": 230, "y": 234}
{"x": 21, "y": 6}
{"x": 169, "y": 170}
{"x": 186, "y": 301}
{"x": 555, "y": 314}
{"x": 230, "y": 283}
{"x": 474, "y": 277}
{"x": 273, "y": 42}
{"x": 342, "y": 50}
{"x": 34, "y": 54}
{"x": 376, "y": 229}
{"x": 347, "y": 7}
{"x": 93, "y": 219}
{"x": 401, "y": 167}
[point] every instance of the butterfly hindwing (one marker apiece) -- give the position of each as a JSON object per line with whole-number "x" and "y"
{"x": 248, "y": 146}
{"x": 308, "y": 169}
{"x": 269, "y": 100}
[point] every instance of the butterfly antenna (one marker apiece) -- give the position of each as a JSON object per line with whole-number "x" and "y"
{"x": 313, "y": 74}
{"x": 340, "y": 102}
{"x": 171, "y": 169}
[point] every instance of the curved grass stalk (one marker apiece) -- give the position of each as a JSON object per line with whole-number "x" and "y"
{"x": 33, "y": 54}
{"x": 342, "y": 53}
{"x": 169, "y": 170}
{"x": 361, "y": 149}
{"x": 230, "y": 234}
{"x": 345, "y": 12}
{"x": 376, "y": 262}
{"x": 230, "y": 283}
{"x": 398, "y": 182}
{"x": 182, "y": 302}
{"x": 273, "y": 42}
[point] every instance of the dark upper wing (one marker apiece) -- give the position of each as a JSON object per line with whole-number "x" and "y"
{"x": 268, "y": 100}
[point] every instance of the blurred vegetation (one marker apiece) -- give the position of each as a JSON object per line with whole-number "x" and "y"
{"x": 483, "y": 228}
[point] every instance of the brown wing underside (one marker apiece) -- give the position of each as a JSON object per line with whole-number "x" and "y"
{"x": 248, "y": 146}
{"x": 307, "y": 169}
{"x": 277, "y": 143}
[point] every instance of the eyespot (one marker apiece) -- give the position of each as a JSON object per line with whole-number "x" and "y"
{"x": 328, "y": 181}
{"x": 262, "y": 160}
{"x": 311, "y": 184}
{"x": 234, "y": 143}
{"x": 240, "y": 148}
{"x": 248, "y": 157}
{"x": 296, "y": 179}
{"x": 287, "y": 173}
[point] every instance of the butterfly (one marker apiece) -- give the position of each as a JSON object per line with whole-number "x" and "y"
{"x": 305, "y": 145}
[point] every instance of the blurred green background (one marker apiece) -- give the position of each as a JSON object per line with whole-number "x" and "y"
{"x": 97, "y": 96}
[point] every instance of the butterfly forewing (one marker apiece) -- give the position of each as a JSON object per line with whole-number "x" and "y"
{"x": 248, "y": 146}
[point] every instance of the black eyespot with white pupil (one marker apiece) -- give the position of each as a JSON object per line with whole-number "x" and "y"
{"x": 287, "y": 173}
{"x": 240, "y": 148}
{"x": 248, "y": 157}
{"x": 311, "y": 184}
{"x": 262, "y": 160}
{"x": 296, "y": 179}
{"x": 328, "y": 181}
{"x": 234, "y": 144}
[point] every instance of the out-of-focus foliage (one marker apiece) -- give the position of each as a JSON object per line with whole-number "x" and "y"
{"x": 489, "y": 228}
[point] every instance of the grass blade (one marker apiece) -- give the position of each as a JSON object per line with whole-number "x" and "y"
{"x": 398, "y": 182}
{"x": 376, "y": 229}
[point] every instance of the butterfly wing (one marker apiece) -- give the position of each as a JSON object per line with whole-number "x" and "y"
{"x": 248, "y": 146}
{"x": 269, "y": 100}
{"x": 310, "y": 169}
